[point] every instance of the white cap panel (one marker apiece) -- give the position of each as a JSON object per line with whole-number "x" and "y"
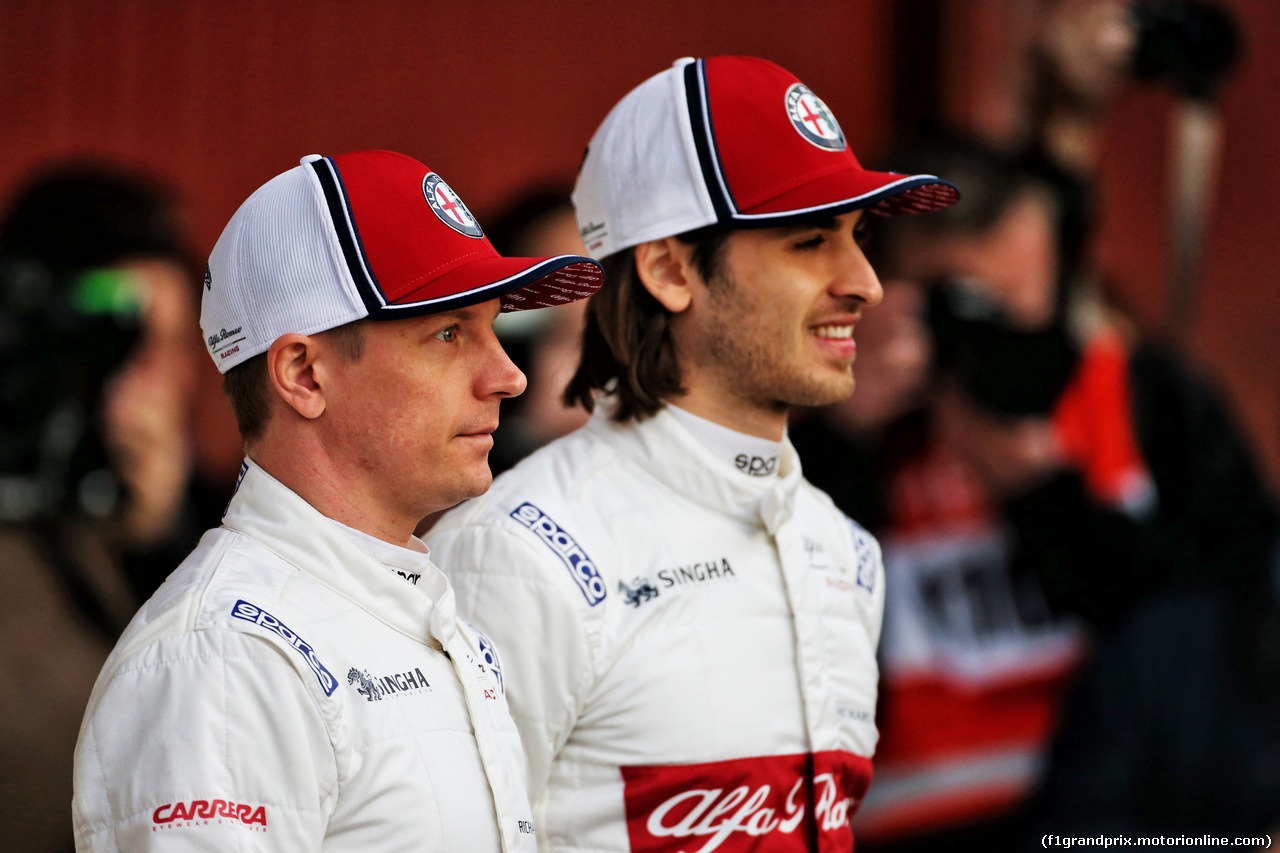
{"x": 280, "y": 247}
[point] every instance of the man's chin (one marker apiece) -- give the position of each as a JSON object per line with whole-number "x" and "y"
{"x": 821, "y": 393}
{"x": 475, "y": 484}
{"x": 479, "y": 481}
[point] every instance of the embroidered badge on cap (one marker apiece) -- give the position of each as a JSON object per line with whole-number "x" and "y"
{"x": 446, "y": 204}
{"x": 812, "y": 120}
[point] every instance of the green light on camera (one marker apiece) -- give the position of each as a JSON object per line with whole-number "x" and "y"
{"x": 110, "y": 292}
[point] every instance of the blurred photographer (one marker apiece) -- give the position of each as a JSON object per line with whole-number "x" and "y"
{"x": 1058, "y": 473}
{"x": 95, "y": 458}
{"x": 1081, "y": 430}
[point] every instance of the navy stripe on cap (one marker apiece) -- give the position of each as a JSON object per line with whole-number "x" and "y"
{"x": 704, "y": 140}
{"x": 344, "y": 225}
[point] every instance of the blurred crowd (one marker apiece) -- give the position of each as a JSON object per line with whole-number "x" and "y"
{"x": 1082, "y": 628}
{"x": 1081, "y": 618}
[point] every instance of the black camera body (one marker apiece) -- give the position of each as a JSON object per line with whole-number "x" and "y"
{"x": 61, "y": 341}
{"x": 1005, "y": 370}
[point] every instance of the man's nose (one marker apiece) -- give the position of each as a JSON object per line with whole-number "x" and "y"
{"x": 855, "y": 277}
{"x": 504, "y": 379}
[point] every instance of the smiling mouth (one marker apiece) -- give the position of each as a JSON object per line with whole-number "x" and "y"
{"x": 832, "y": 332}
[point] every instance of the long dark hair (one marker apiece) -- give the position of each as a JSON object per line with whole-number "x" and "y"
{"x": 627, "y": 347}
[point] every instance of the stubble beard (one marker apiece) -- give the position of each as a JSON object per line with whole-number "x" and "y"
{"x": 757, "y": 358}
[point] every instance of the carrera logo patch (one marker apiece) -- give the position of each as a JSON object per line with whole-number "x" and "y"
{"x": 581, "y": 568}
{"x": 812, "y": 120}
{"x": 252, "y": 613}
{"x": 448, "y": 207}
{"x": 207, "y": 812}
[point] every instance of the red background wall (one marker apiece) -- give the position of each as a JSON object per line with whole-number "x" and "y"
{"x": 216, "y": 97}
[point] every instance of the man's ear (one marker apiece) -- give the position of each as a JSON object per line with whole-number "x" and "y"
{"x": 666, "y": 271}
{"x": 291, "y": 364}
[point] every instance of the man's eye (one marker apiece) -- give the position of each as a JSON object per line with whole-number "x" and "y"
{"x": 448, "y": 335}
{"x": 862, "y": 231}
{"x": 812, "y": 243}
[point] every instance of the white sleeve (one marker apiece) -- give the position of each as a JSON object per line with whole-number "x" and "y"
{"x": 205, "y": 741}
{"x": 526, "y": 603}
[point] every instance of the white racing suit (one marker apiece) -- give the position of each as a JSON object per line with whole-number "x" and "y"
{"x": 689, "y": 653}
{"x": 296, "y": 685}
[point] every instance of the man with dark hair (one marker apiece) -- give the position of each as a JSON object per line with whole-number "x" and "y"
{"x": 704, "y": 674}
{"x": 301, "y": 682}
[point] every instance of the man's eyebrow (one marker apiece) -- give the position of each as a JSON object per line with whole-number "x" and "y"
{"x": 462, "y": 314}
{"x": 831, "y": 223}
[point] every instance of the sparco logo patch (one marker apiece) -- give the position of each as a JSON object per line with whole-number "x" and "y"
{"x": 411, "y": 577}
{"x": 446, "y": 205}
{"x": 255, "y": 614}
{"x": 207, "y": 812}
{"x": 775, "y": 803}
{"x": 812, "y": 120}
{"x": 583, "y": 571}
{"x": 756, "y": 466}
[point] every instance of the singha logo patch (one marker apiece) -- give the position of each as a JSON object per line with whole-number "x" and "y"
{"x": 639, "y": 592}
{"x": 368, "y": 689}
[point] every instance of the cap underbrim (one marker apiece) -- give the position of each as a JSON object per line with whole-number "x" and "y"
{"x": 883, "y": 193}
{"x": 521, "y": 283}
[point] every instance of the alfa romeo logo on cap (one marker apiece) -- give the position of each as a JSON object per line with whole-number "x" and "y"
{"x": 812, "y": 120}
{"x": 446, "y": 205}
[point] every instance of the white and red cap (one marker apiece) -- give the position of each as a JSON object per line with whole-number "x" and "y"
{"x": 729, "y": 140}
{"x": 371, "y": 234}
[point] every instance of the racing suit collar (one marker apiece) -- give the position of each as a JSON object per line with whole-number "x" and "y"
{"x": 270, "y": 512}
{"x": 675, "y": 457}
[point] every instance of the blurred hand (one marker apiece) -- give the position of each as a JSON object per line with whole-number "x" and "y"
{"x": 1090, "y": 44}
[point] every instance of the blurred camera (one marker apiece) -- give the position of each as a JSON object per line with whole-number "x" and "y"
{"x": 61, "y": 341}
{"x": 1004, "y": 369}
{"x": 1192, "y": 45}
